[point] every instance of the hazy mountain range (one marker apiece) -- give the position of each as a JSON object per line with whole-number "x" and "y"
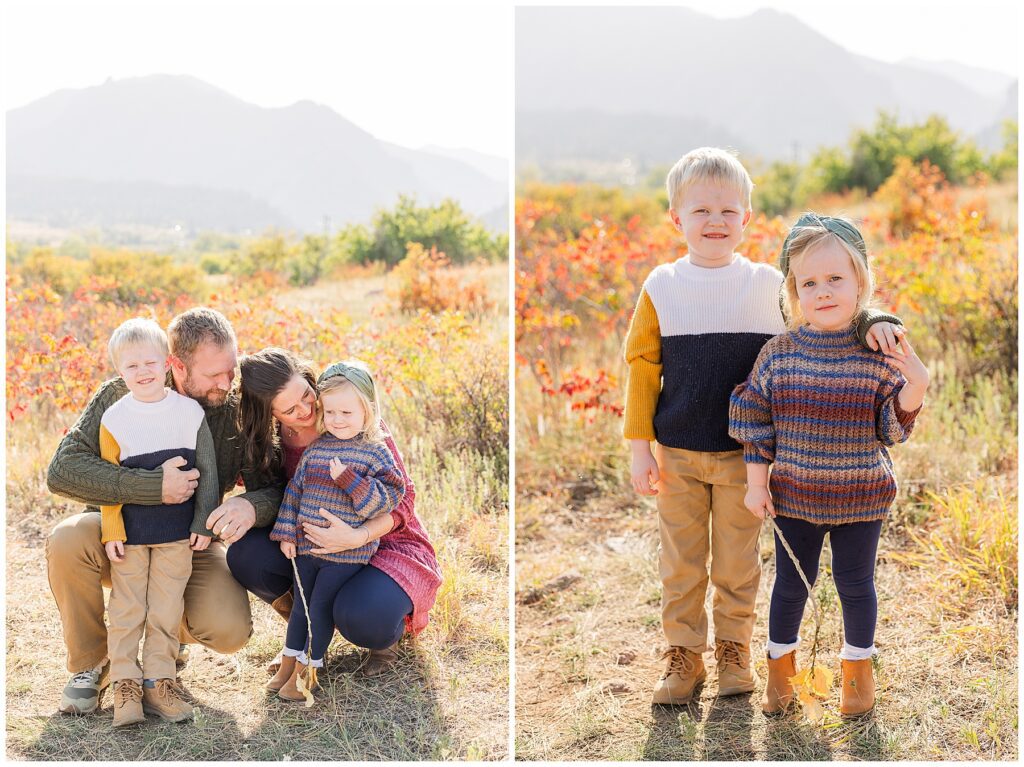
{"x": 645, "y": 84}
{"x": 169, "y": 151}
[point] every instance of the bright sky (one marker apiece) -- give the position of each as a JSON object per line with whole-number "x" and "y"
{"x": 980, "y": 33}
{"x": 411, "y": 75}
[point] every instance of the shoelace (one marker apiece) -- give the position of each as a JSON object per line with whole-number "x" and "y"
{"x": 728, "y": 654}
{"x": 85, "y": 679}
{"x": 678, "y": 662}
{"x": 168, "y": 688}
{"x": 126, "y": 693}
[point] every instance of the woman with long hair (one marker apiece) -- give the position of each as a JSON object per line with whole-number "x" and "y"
{"x": 396, "y": 589}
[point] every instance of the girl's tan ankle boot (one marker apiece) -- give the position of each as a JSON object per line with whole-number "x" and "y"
{"x": 290, "y": 690}
{"x": 778, "y": 691}
{"x": 284, "y": 673}
{"x": 858, "y": 693}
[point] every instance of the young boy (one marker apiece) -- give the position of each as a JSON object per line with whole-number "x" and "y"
{"x": 150, "y": 547}
{"x": 697, "y": 329}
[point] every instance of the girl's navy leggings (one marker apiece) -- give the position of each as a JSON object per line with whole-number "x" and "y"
{"x": 854, "y": 547}
{"x": 369, "y": 609}
{"x": 321, "y": 581}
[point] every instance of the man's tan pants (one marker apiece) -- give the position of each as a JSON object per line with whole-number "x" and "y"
{"x": 698, "y": 492}
{"x": 147, "y": 592}
{"x": 216, "y": 615}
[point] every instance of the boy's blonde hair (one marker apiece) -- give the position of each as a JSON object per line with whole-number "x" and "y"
{"x": 707, "y": 164}
{"x": 133, "y": 332}
{"x": 364, "y": 387}
{"x": 803, "y": 241}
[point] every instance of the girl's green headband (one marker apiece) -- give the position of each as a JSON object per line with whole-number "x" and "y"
{"x": 359, "y": 377}
{"x": 839, "y": 227}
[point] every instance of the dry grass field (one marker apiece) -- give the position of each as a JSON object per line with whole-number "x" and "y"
{"x": 588, "y": 593}
{"x": 447, "y": 699}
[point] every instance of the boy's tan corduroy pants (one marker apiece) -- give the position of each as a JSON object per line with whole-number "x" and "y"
{"x": 217, "y": 612}
{"x": 700, "y": 497}
{"x": 147, "y": 592}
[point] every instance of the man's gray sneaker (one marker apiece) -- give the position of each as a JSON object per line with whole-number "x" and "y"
{"x": 82, "y": 692}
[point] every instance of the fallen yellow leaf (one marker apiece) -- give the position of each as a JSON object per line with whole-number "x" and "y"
{"x": 821, "y": 681}
{"x": 300, "y": 684}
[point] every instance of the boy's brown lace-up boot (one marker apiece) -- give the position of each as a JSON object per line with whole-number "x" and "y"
{"x": 128, "y": 703}
{"x": 166, "y": 699}
{"x": 778, "y": 692}
{"x": 735, "y": 674}
{"x": 858, "y": 693}
{"x": 684, "y": 671}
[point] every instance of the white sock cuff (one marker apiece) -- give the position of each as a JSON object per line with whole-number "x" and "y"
{"x": 289, "y": 652}
{"x": 776, "y": 650}
{"x": 316, "y": 663}
{"x": 849, "y": 652}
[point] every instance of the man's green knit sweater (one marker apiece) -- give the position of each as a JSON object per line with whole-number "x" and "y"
{"x": 78, "y": 472}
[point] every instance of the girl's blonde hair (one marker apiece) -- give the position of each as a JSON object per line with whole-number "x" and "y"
{"x": 366, "y": 391}
{"x": 803, "y": 241}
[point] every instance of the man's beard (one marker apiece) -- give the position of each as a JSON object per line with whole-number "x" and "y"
{"x": 214, "y": 397}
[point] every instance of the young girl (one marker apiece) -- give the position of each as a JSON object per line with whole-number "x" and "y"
{"x": 349, "y": 472}
{"x": 823, "y": 409}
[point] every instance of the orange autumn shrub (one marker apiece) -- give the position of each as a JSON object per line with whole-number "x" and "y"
{"x": 441, "y": 372}
{"x": 424, "y": 281}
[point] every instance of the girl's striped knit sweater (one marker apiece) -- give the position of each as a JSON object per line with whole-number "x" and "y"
{"x": 370, "y": 485}
{"x": 823, "y": 408}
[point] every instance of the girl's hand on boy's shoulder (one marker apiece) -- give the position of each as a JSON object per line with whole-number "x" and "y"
{"x": 198, "y": 542}
{"x": 905, "y": 360}
{"x": 758, "y": 501}
{"x": 883, "y": 337}
{"x": 115, "y": 550}
{"x": 337, "y": 468}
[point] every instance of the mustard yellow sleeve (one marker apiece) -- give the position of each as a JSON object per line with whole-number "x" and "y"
{"x": 111, "y": 522}
{"x": 643, "y": 384}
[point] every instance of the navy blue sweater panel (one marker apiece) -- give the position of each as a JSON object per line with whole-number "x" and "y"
{"x": 698, "y": 374}
{"x": 163, "y": 523}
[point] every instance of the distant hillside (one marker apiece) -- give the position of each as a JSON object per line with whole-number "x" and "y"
{"x": 204, "y": 158}
{"x": 491, "y": 166}
{"x": 985, "y": 81}
{"x": 766, "y": 83}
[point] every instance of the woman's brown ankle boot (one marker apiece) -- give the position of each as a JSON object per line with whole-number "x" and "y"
{"x": 284, "y": 673}
{"x": 858, "y": 693}
{"x": 778, "y": 691}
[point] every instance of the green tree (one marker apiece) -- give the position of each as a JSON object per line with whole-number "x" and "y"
{"x": 777, "y": 190}
{"x": 310, "y": 260}
{"x": 444, "y": 226}
{"x": 268, "y": 253}
{"x": 1004, "y": 162}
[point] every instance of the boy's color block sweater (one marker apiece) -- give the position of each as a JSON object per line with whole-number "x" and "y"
{"x": 822, "y": 409}
{"x": 370, "y": 485}
{"x": 694, "y": 336}
{"x": 142, "y": 435}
